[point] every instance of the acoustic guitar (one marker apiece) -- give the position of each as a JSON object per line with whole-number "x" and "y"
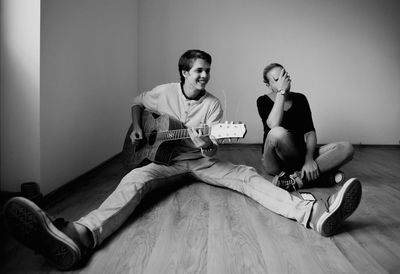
{"x": 162, "y": 134}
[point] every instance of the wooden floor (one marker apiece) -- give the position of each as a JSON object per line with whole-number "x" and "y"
{"x": 197, "y": 228}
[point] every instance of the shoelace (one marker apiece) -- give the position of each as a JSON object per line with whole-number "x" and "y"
{"x": 288, "y": 182}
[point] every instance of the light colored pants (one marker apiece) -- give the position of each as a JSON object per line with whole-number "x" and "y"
{"x": 103, "y": 221}
{"x": 283, "y": 153}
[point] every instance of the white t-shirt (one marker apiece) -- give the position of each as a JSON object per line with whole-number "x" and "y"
{"x": 169, "y": 99}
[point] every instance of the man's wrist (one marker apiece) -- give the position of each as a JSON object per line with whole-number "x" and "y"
{"x": 282, "y": 92}
{"x": 206, "y": 149}
{"x": 309, "y": 158}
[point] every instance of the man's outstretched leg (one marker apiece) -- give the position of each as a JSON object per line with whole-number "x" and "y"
{"x": 63, "y": 243}
{"x": 328, "y": 215}
{"x": 323, "y": 215}
{"x": 67, "y": 244}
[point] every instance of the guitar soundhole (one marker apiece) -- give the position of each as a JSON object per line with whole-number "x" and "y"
{"x": 155, "y": 115}
{"x": 152, "y": 137}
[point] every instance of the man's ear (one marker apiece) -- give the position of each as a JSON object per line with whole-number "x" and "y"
{"x": 185, "y": 73}
{"x": 269, "y": 87}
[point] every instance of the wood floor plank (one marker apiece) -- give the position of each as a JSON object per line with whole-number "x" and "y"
{"x": 181, "y": 246}
{"x": 132, "y": 245}
{"x": 356, "y": 254}
{"x": 312, "y": 253}
{"x": 232, "y": 245}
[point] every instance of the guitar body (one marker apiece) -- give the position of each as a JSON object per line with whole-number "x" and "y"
{"x": 162, "y": 134}
{"x": 151, "y": 149}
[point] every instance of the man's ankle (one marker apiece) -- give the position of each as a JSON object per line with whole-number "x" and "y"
{"x": 85, "y": 235}
{"x": 79, "y": 233}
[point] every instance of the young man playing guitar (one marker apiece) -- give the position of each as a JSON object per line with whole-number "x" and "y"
{"x": 190, "y": 103}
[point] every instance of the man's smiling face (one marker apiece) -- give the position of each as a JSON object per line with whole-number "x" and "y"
{"x": 198, "y": 76}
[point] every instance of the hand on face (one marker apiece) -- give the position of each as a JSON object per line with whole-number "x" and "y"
{"x": 280, "y": 83}
{"x": 198, "y": 139}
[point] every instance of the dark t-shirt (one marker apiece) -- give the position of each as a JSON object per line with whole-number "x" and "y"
{"x": 297, "y": 119}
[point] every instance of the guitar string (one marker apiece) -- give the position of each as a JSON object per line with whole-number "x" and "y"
{"x": 175, "y": 134}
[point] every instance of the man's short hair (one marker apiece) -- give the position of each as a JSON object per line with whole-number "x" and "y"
{"x": 189, "y": 57}
{"x": 268, "y": 69}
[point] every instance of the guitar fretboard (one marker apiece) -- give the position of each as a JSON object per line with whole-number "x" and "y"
{"x": 177, "y": 134}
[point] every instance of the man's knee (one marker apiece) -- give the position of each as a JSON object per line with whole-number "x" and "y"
{"x": 270, "y": 168}
{"x": 277, "y": 134}
{"x": 348, "y": 150}
{"x": 136, "y": 178}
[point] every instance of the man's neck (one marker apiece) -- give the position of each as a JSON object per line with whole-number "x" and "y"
{"x": 192, "y": 94}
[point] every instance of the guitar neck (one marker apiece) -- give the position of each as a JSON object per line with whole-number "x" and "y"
{"x": 177, "y": 134}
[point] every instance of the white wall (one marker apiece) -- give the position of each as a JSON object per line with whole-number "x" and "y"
{"x": 68, "y": 76}
{"x": 344, "y": 55}
{"x": 20, "y": 96}
{"x": 67, "y": 83}
{"x": 88, "y": 80}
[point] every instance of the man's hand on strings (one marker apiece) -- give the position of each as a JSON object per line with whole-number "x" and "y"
{"x": 198, "y": 138}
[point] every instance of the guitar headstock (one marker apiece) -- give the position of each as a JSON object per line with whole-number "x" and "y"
{"x": 228, "y": 130}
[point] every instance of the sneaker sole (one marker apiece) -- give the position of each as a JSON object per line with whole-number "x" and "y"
{"x": 31, "y": 226}
{"x": 343, "y": 206}
{"x": 338, "y": 177}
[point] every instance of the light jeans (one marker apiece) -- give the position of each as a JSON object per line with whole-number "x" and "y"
{"x": 283, "y": 153}
{"x": 112, "y": 213}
